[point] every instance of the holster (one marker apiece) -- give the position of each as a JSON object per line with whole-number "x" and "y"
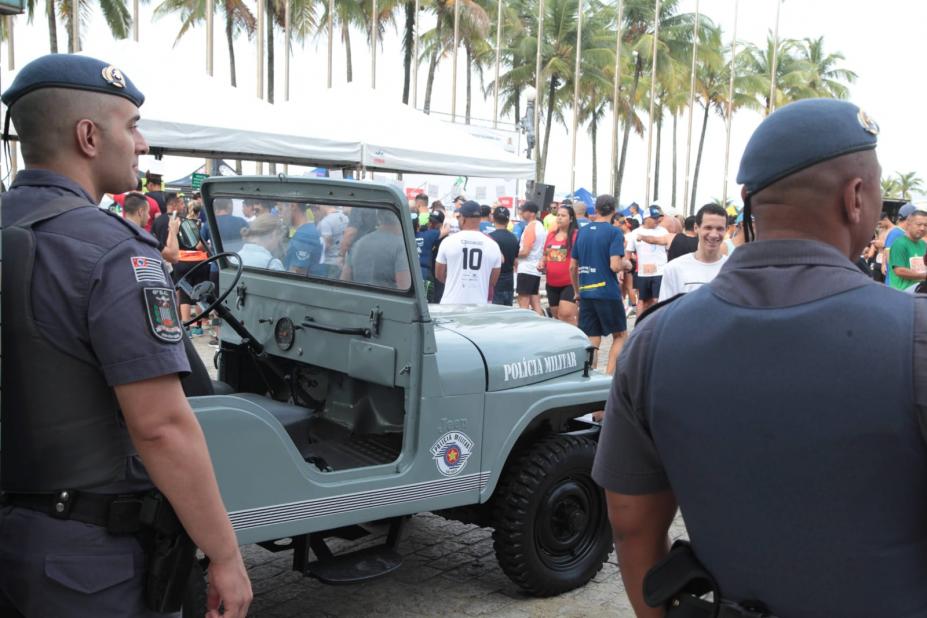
{"x": 679, "y": 582}
{"x": 170, "y": 554}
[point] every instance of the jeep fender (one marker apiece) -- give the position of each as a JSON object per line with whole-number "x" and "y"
{"x": 518, "y": 413}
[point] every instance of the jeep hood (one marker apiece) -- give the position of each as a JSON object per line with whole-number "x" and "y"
{"x": 518, "y": 346}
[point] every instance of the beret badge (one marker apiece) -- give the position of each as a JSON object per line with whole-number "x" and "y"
{"x": 114, "y": 77}
{"x": 869, "y": 125}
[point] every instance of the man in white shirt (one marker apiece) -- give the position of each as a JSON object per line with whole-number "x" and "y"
{"x": 693, "y": 270}
{"x": 468, "y": 262}
{"x": 650, "y": 259}
{"x": 528, "y": 281}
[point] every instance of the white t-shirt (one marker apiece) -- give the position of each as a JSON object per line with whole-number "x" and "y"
{"x": 528, "y": 265}
{"x": 470, "y": 257}
{"x": 650, "y": 258}
{"x": 686, "y": 274}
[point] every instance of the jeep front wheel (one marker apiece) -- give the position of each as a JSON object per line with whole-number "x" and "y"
{"x": 551, "y": 523}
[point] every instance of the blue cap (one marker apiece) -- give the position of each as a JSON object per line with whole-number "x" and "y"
{"x": 802, "y": 134}
{"x": 75, "y": 72}
{"x": 470, "y": 209}
{"x": 655, "y": 212}
{"x": 907, "y": 210}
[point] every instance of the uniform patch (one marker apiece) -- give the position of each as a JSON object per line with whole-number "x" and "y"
{"x": 161, "y": 306}
{"x": 148, "y": 270}
{"x": 451, "y": 452}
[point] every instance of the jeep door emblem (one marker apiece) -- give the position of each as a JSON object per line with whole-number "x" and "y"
{"x": 451, "y": 452}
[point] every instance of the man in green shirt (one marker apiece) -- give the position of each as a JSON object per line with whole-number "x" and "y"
{"x": 906, "y": 259}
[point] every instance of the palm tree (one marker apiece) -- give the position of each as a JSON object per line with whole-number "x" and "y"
{"x": 890, "y": 188}
{"x": 712, "y": 80}
{"x": 439, "y": 41}
{"x": 823, "y": 76}
{"x": 909, "y": 183}
{"x": 408, "y": 47}
{"x": 347, "y": 13}
{"x": 115, "y": 13}
{"x": 674, "y": 41}
{"x": 50, "y": 17}
{"x": 238, "y": 17}
{"x": 790, "y": 72}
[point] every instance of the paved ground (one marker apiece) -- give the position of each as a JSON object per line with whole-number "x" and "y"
{"x": 448, "y": 569}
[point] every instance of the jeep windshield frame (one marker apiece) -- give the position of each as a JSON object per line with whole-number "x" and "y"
{"x": 307, "y": 192}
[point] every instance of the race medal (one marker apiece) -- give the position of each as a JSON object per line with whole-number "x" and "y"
{"x": 163, "y": 321}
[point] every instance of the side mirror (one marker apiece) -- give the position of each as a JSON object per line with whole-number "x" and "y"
{"x": 188, "y": 237}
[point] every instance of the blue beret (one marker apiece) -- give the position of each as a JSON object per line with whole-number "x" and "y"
{"x": 803, "y": 134}
{"x": 71, "y": 71}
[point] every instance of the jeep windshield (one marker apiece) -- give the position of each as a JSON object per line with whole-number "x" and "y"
{"x": 357, "y": 245}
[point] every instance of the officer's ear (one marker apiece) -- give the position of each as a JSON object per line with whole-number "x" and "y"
{"x": 87, "y": 136}
{"x": 852, "y": 198}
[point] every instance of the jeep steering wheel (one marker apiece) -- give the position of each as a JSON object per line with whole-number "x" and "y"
{"x": 206, "y": 289}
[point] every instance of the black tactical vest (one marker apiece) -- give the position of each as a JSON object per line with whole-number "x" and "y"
{"x": 61, "y": 425}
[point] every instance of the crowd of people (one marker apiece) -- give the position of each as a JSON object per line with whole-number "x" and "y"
{"x": 598, "y": 266}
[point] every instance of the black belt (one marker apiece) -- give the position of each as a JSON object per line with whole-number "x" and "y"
{"x": 118, "y": 513}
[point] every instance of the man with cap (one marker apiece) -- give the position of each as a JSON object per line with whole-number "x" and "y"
{"x": 906, "y": 253}
{"x": 894, "y": 233}
{"x": 651, "y": 258}
{"x": 155, "y": 191}
{"x": 503, "y": 292}
{"x": 90, "y": 297}
{"x": 468, "y": 262}
{"x": 803, "y": 486}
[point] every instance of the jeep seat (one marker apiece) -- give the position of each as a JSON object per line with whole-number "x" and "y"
{"x": 295, "y": 419}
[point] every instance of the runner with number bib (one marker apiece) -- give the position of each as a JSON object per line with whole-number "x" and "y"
{"x": 468, "y": 262}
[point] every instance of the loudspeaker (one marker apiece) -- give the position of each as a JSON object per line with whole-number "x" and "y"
{"x": 542, "y": 195}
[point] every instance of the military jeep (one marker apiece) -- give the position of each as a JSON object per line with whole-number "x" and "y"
{"x": 344, "y": 398}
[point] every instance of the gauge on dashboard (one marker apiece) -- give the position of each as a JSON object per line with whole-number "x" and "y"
{"x": 285, "y": 333}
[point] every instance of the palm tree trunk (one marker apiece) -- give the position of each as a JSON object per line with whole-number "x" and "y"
{"x": 432, "y": 65}
{"x": 656, "y": 163}
{"x": 230, "y": 39}
{"x": 469, "y": 53}
{"x": 271, "y": 15}
{"x": 594, "y": 131}
{"x": 408, "y": 44}
{"x": 346, "y": 37}
{"x": 698, "y": 158}
{"x": 70, "y": 26}
{"x": 542, "y": 164}
{"x": 52, "y": 26}
{"x": 675, "y": 117}
{"x": 619, "y": 176}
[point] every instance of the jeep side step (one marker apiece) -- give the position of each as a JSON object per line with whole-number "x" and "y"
{"x": 353, "y": 567}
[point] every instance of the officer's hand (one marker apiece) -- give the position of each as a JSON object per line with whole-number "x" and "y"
{"x": 230, "y": 587}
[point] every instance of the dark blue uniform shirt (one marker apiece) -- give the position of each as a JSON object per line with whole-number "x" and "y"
{"x": 87, "y": 288}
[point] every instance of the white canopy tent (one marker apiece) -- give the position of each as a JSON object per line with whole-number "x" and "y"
{"x": 351, "y": 127}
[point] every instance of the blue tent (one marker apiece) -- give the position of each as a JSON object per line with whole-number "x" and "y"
{"x": 585, "y": 197}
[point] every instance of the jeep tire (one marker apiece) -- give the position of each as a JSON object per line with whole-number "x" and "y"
{"x": 550, "y": 518}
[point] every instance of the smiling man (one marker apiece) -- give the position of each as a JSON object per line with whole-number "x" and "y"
{"x": 693, "y": 270}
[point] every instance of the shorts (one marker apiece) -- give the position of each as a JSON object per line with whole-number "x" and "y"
{"x": 181, "y": 269}
{"x": 527, "y": 284}
{"x": 556, "y": 295}
{"x": 599, "y": 317}
{"x": 649, "y": 287}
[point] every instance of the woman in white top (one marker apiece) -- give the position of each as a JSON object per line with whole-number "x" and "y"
{"x": 263, "y": 238}
{"x": 528, "y": 281}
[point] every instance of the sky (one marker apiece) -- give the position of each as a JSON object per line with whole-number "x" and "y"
{"x": 881, "y": 43}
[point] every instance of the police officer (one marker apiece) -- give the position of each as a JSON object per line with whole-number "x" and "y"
{"x": 92, "y": 361}
{"x": 801, "y": 476}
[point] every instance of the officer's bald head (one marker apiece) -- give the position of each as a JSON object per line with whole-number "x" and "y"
{"x": 45, "y": 121}
{"x": 834, "y": 200}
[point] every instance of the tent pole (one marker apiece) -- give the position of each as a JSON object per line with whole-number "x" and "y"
{"x": 577, "y": 76}
{"x": 616, "y": 93}
{"x": 260, "y": 63}
{"x": 495, "y": 86}
{"x": 331, "y": 10}
{"x": 653, "y": 93}
{"x": 454, "y": 61}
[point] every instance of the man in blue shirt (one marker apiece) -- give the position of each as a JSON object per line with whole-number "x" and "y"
{"x": 304, "y": 252}
{"x": 597, "y": 257}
